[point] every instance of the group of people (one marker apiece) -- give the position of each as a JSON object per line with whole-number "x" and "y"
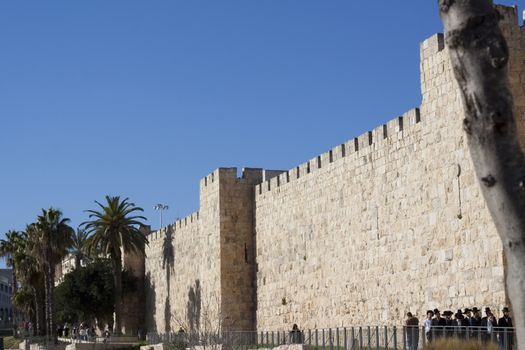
{"x": 82, "y": 332}
{"x": 466, "y": 324}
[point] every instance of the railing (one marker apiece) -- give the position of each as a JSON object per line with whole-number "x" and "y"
{"x": 344, "y": 338}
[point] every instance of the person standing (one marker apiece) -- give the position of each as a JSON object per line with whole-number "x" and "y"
{"x": 296, "y": 336}
{"x": 412, "y": 331}
{"x": 475, "y": 323}
{"x": 428, "y": 325}
{"x": 468, "y": 316}
{"x": 506, "y": 334}
{"x": 438, "y": 325}
{"x": 487, "y": 325}
{"x": 449, "y": 323}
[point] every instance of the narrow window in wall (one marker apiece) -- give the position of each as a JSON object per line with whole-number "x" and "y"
{"x": 418, "y": 116}
{"x": 245, "y": 253}
{"x": 278, "y": 180}
{"x": 205, "y": 181}
{"x": 343, "y": 150}
{"x": 400, "y": 121}
{"x": 330, "y": 156}
{"x": 308, "y": 168}
{"x": 297, "y": 172}
{"x": 356, "y": 144}
{"x": 458, "y": 174}
{"x": 385, "y": 132}
{"x": 287, "y": 176}
{"x": 370, "y": 138}
{"x": 318, "y": 162}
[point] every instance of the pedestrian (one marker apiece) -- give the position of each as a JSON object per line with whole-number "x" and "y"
{"x": 412, "y": 331}
{"x": 438, "y": 325}
{"x": 475, "y": 323}
{"x": 487, "y": 325}
{"x": 428, "y": 325}
{"x": 506, "y": 334}
{"x": 468, "y": 316}
{"x": 296, "y": 336}
{"x": 107, "y": 335}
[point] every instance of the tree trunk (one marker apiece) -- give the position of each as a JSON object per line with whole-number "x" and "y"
{"x": 36, "y": 329}
{"x": 117, "y": 278}
{"x": 13, "y": 292}
{"x": 46, "y": 300}
{"x": 52, "y": 328}
{"x": 479, "y": 56}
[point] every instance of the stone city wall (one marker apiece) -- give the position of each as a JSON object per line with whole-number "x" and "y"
{"x": 175, "y": 261}
{"x": 388, "y": 222}
{"x": 200, "y": 271}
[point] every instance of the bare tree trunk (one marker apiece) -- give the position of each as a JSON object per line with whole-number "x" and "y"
{"x": 52, "y": 328}
{"x": 77, "y": 261}
{"x": 37, "y": 313}
{"x": 479, "y": 56}
{"x": 117, "y": 278}
{"x": 13, "y": 292}
{"x": 46, "y": 305}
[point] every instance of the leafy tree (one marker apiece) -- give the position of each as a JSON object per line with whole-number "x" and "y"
{"x": 9, "y": 248}
{"x": 86, "y": 293}
{"x": 24, "y": 300}
{"x": 31, "y": 278}
{"x": 49, "y": 239}
{"x": 79, "y": 246}
{"x": 114, "y": 229}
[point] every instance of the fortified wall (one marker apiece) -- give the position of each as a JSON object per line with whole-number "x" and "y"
{"x": 388, "y": 222}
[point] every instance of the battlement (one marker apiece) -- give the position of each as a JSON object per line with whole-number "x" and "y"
{"x": 247, "y": 175}
{"x": 368, "y": 142}
{"x": 178, "y": 225}
{"x": 509, "y": 16}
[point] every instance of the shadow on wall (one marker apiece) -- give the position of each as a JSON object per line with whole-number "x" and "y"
{"x": 150, "y": 304}
{"x": 167, "y": 315}
{"x": 193, "y": 307}
{"x": 168, "y": 261}
{"x": 168, "y": 253}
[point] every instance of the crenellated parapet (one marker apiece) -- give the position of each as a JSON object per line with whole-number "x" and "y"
{"x": 372, "y": 141}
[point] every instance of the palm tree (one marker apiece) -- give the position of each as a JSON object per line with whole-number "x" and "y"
{"x": 9, "y": 247}
{"x": 49, "y": 239}
{"x": 79, "y": 248}
{"x": 115, "y": 231}
{"x": 30, "y": 276}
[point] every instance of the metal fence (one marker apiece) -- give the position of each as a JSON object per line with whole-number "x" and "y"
{"x": 93, "y": 343}
{"x": 344, "y": 338}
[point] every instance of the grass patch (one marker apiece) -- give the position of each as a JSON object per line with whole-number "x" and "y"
{"x": 11, "y": 342}
{"x": 458, "y": 344}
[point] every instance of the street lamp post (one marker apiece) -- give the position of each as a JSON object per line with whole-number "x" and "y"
{"x": 160, "y": 207}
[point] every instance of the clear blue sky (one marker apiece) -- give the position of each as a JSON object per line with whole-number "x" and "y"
{"x": 143, "y": 98}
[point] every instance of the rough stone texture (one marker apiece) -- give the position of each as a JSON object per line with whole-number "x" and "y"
{"x": 390, "y": 221}
{"x": 396, "y": 224}
{"x": 208, "y": 264}
{"x": 132, "y": 317}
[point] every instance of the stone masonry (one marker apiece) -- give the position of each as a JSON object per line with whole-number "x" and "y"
{"x": 388, "y": 222}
